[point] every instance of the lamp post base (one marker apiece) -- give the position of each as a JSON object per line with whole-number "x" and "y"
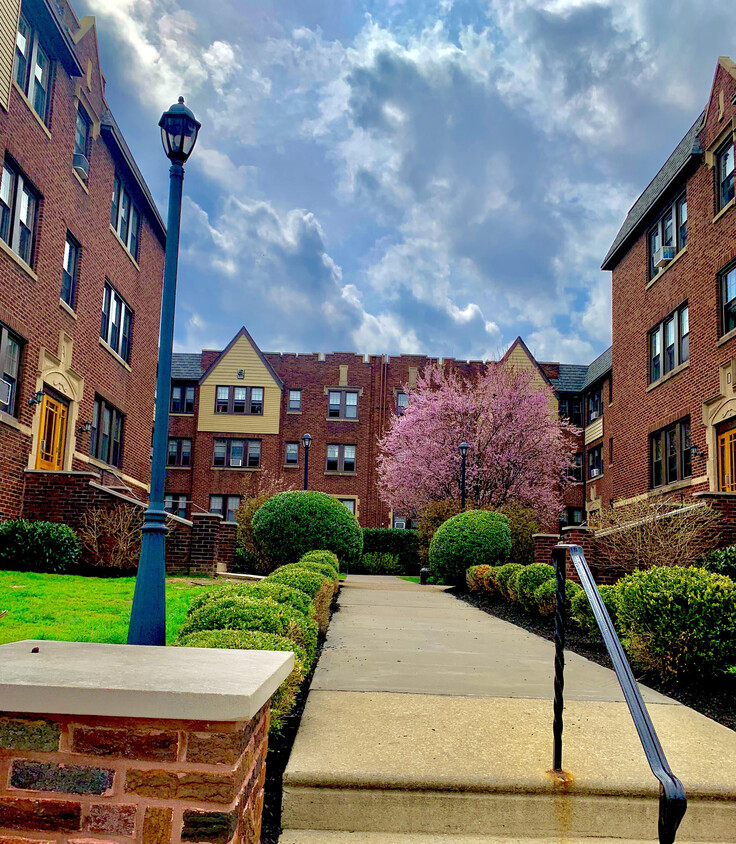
{"x": 148, "y": 617}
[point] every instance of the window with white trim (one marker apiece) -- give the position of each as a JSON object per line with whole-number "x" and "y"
{"x": 342, "y": 404}
{"x": 237, "y": 454}
{"x": 724, "y": 174}
{"x": 669, "y": 343}
{"x": 70, "y": 270}
{"x": 106, "y": 436}
{"x": 292, "y": 454}
{"x": 176, "y": 504}
{"x": 295, "y": 400}
{"x": 125, "y": 217}
{"x": 18, "y": 212}
{"x": 340, "y": 458}
{"x": 225, "y": 506}
{"x": 669, "y": 231}
{"x": 10, "y": 351}
{"x": 116, "y": 323}
{"x": 32, "y": 68}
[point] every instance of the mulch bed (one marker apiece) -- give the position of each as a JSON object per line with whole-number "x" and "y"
{"x": 716, "y": 699}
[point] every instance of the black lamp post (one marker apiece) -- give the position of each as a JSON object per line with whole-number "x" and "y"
{"x": 179, "y": 130}
{"x": 463, "y": 449}
{"x": 306, "y": 442}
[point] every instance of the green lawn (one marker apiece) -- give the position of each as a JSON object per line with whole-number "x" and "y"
{"x": 410, "y": 578}
{"x": 82, "y": 609}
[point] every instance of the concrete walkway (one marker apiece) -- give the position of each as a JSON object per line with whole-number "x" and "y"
{"x": 428, "y": 716}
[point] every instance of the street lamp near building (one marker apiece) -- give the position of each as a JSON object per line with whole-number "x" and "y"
{"x": 463, "y": 449}
{"x": 179, "y": 129}
{"x": 306, "y": 442}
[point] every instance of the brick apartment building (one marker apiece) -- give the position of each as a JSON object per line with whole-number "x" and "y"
{"x": 239, "y": 412}
{"x": 81, "y": 263}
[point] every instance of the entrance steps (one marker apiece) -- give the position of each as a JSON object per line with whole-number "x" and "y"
{"x": 413, "y": 769}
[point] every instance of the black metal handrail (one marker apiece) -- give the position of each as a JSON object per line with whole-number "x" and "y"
{"x": 672, "y": 800}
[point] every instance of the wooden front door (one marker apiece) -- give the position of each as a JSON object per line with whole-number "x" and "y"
{"x": 52, "y": 434}
{"x": 727, "y": 461}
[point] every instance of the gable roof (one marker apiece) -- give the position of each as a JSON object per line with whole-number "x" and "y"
{"x": 571, "y": 378}
{"x": 57, "y": 33}
{"x": 186, "y": 367}
{"x": 600, "y": 366}
{"x": 523, "y": 345}
{"x": 685, "y": 152}
{"x": 244, "y": 333}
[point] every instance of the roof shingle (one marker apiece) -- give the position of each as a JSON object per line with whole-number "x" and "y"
{"x": 186, "y": 367}
{"x": 602, "y": 364}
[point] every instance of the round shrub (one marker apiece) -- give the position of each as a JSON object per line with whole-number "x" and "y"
{"x": 503, "y": 574}
{"x": 545, "y": 596}
{"x": 472, "y": 538}
{"x": 436, "y": 513}
{"x": 583, "y": 614}
{"x": 299, "y": 577}
{"x": 233, "y": 612}
{"x": 512, "y": 585}
{"x": 48, "y": 547}
{"x": 285, "y": 696}
{"x": 474, "y": 578}
{"x": 291, "y": 523}
{"x": 681, "y": 622}
{"x": 529, "y": 579}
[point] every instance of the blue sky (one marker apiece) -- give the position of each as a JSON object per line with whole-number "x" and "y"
{"x": 435, "y": 176}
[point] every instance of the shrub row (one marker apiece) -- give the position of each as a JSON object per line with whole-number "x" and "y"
{"x": 285, "y": 611}
{"x": 403, "y": 545}
{"x": 48, "y": 547}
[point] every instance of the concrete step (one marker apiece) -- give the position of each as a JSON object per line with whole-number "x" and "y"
{"x": 430, "y": 765}
{"x": 319, "y": 836}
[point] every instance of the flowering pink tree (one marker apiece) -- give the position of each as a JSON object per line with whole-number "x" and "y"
{"x": 519, "y": 448}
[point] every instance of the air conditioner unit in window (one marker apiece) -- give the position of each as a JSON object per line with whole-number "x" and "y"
{"x": 4, "y": 393}
{"x": 236, "y": 461}
{"x": 81, "y": 166}
{"x": 594, "y": 473}
{"x": 663, "y": 256}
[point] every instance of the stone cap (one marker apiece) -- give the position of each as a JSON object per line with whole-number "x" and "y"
{"x": 138, "y": 681}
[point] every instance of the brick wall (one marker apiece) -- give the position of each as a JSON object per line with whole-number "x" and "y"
{"x": 92, "y": 779}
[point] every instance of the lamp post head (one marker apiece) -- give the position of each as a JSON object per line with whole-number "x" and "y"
{"x": 179, "y": 129}
{"x": 306, "y": 441}
{"x": 463, "y": 448}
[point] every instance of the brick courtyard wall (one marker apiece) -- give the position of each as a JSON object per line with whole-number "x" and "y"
{"x": 204, "y": 543}
{"x": 226, "y": 540}
{"x": 543, "y": 545}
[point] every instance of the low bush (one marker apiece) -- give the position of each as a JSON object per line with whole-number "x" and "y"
{"x": 545, "y": 597}
{"x": 285, "y": 697}
{"x": 278, "y": 592}
{"x": 472, "y": 538}
{"x": 475, "y": 578}
{"x": 722, "y": 561}
{"x": 324, "y": 562}
{"x": 680, "y": 622}
{"x": 523, "y": 524}
{"x": 375, "y": 562}
{"x": 291, "y": 523}
{"x": 403, "y": 544}
{"x": 529, "y": 579}
{"x": 436, "y": 513}
{"x": 503, "y": 574}
{"x": 512, "y": 584}
{"x": 245, "y": 562}
{"x": 48, "y": 547}
{"x": 235, "y": 612}
{"x": 582, "y": 613}
{"x": 490, "y": 579}
{"x": 317, "y": 585}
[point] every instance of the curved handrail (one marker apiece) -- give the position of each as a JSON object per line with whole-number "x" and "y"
{"x": 672, "y": 800}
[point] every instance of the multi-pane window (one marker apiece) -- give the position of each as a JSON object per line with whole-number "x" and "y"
{"x": 349, "y": 503}
{"x": 18, "y": 212}
{"x": 728, "y": 299}
{"x": 571, "y": 408}
{"x": 180, "y": 452}
{"x": 668, "y": 235}
{"x": 241, "y": 400}
{"x": 574, "y": 515}
{"x": 295, "y": 400}
{"x": 106, "y": 436}
{"x": 182, "y": 397}
{"x": 225, "y": 506}
{"x": 595, "y": 462}
{"x": 340, "y": 458}
{"x": 176, "y": 504}
{"x": 82, "y": 132}
{"x": 343, "y": 404}
{"x": 576, "y": 470}
{"x": 724, "y": 173}
{"x": 70, "y": 270}
{"x": 10, "y": 347}
{"x": 32, "y": 68}
{"x": 237, "y": 454}
{"x": 125, "y": 217}
{"x": 116, "y": 323}
{"x": 672, "y": 454}
{"x": 669, "y": 343}
{"x": 292, "y": 454}
{"x": 402, "y": 402}
{"x": 595, "y": 402}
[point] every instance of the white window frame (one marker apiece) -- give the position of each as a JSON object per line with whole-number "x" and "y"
{"x": 15, "y": 192}
{"x": 679, "y": 242}
{"x": 11, "y": 378}
{"x": 128, "y": 229}
{"x": 30, "y": 77}
{"x": 114, "y": 307}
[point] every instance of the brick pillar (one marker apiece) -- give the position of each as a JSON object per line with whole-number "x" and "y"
{"x": 543, "y": 545}
{"x": 226, "y": 540}
{"x": 724, "y": 503}
{"x": 585, "y": 537}
{"x": 203, "y": 543}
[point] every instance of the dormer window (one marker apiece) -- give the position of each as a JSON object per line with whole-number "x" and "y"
{"x": 32, "y": 68}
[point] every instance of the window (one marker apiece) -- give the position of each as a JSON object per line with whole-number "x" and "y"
{"x": 671, "y": 450}
{"x": 69, "y": 273}
{"x": 32, "y": 68}
{"x": 292, "y": 454}
{"x": 225, "y": 506}
{"x": 116, "y": 324}
{"x": 176, "y": 504}
{"x": 576, "y": 470}
{"x": 241, "y": 400}
{"x": 343, "y": 404}
{"x": 728, "y": 299}
{"x": 669, "y": 343}
{"x": 724, "y": 174}
{"x": 571, "y": 408}
{"x": 18, "y": 207}
{"x": 81, "y": 133}
{"x": 574, "y": 516}
{"x": 295, "y": 400}
{"x": 669, "y": 231}
{"x": 106, "y": 436}
{"x": 595, "y": 462}
{"x": 402, "y": 402}
{"x": 340, "y": 458}
{"x": 594, "y": 405}
{"x": 182, "y": 397}
{"x": 349, "y": 503}
{"x": 180, "y": 452}
{"x": 237, "y": 454}
{"x": 125, "y": 217}
{"x": 10, "y": 347}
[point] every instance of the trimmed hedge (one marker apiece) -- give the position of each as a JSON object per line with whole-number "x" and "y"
{"x": 375, "y": 562}
{"x": 291, "y": 523}
{"x": 47, "y": 547}
{"x": 324, "y": 562}
{"x": 278, "y": 592}
{"x": 475, "y": 578}
{"x": 545, "y": 597}
{"x": 529, "y": 579}
{"x": 284, "y": 698}
{"x": 319, "y": 586}
{"x": 503, "y": 575}
{"x": 583, "y": 614}
{"x": 403, "y": 544}
{"x": 472, "y": 538}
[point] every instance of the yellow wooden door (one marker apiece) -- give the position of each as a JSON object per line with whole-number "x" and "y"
{"x": 52, "y": 434}
{"x": 727, "y": 460}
